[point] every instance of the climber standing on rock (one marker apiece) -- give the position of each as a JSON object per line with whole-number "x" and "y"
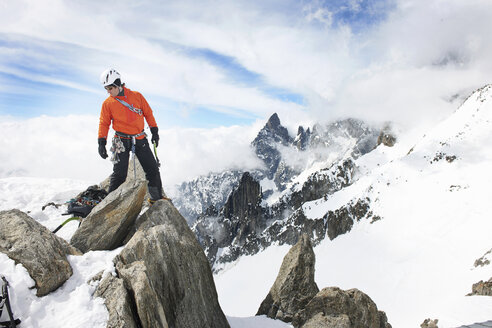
{"x": 127, "y": 109}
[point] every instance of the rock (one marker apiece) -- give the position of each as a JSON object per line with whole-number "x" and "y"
{"x": 483, "y": 288}
{"x": 117, "y": 301}
{"x": 386, "y": 139}
{"x": 332, "y": 306}
{"x": 428, "y": 323}
{"x": 167, "y": 273}
{"x": 320, "y": 321}
{"x": 294, "y": 286}
{"x": 341, "y": 221}
{"x": 267, "y": 141}
{"x": 108, "y": 224}
{"x": 302, "y": 139}
{"x": 484, "y": 260}
{"x": 41, "y": 252}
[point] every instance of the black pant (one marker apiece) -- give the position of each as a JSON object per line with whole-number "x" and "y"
{"x": 148, "y": 162}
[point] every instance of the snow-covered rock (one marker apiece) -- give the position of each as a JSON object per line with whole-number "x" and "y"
{"x": 41, "y": 252}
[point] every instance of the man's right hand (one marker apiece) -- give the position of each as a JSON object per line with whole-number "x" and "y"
{"x": 102, "y": 147}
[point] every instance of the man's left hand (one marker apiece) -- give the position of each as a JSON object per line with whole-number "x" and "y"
{"x": 155, "y": 135}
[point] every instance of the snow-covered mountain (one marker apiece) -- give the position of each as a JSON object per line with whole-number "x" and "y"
{"x": 407, "y": 229}
{"x": 409, "y": 225}
{"x": 238, "y": 213}
{"x": 286, "y": 160}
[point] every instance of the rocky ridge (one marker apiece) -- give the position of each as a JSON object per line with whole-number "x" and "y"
{"x": 162, "y": 277}
{"x": 255, "y": 222}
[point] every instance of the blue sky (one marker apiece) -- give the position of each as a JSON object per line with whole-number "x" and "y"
{"x": 222, "y": 63}
{"x": 48, "y": 68}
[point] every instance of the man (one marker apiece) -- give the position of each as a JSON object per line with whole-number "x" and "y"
{"x": 126, "y": 109}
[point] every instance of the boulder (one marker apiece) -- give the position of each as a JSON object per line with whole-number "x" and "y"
{"x": 108, "y": 224}
{"x": 333, "y": 307}
{"x": 167, "y": 274}
{"x": 294, "y": 286}
{"x": 41, "y": 252}
{"x": 117, "y": 301}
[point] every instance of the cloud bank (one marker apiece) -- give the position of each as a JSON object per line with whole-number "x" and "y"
{"x": 66, "y": 147}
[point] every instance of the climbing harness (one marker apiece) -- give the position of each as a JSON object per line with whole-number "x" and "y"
{"x": 130, "y": 107}
{"x": 133, "y": 138}
{"x": 5, "y": 302}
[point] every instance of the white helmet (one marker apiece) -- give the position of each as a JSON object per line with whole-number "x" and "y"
{"x": 109, "y": 76}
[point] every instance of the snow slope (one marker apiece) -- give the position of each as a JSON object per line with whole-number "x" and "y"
{"x": 417, "y": 262}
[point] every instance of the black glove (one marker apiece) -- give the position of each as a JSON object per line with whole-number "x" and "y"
{"x": 155, "y": 135}
{"x": 102, "y": 147}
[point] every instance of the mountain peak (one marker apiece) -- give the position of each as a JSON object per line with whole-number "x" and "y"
{"x": 274, "y": 121}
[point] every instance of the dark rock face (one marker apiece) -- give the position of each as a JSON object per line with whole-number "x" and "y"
{"x": 202, "y": 194}
{"x": 244, "y": 226}
{"x": 241, "y": 218}
{"x": 243, "y": 209}
{"x": 342, "y": 220}
{"x": 166, "y": 275}
{"x": 108, "y": 224}
{"x": 41, "y": 252}
{"x": 266, "y": 143}
{"x": 294, "y": 286}
{"x": 324, "y": 182}
{"x": 301, "y": 141}
{"x": 333, "y": 307}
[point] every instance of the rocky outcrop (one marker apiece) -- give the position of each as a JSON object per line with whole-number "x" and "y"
{"x": 109, "y": 223}
{"x": 333, "y": 307}
{"x": 167, "y": 274}
{"x": 483, "y": 288}
{"x": 118, "y": 302}
{"x": 243, "y": 209}
{"x": 324, "y": 182}
{"x": 294, "y": 286}
{"x": 484, "y": 260}
{"x": 41, "y": 252}
{"x": 301, "y": 141}
{"x": 295, "y": 297}
{"x": 342, "y": 220}
{"x": 429, "y": 323}
{"x": 386, "y": 138}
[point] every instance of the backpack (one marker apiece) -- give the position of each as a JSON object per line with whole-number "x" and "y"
{"x": 83, "y": 204}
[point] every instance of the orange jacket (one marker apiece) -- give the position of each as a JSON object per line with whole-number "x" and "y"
{"x": 124, "y": 120}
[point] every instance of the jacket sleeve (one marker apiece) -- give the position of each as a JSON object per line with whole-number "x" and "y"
{"x": 104, "y": 121}
{"x": 147, "y": 111}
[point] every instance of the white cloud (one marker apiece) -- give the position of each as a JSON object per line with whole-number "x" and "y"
{"x": 66, "y": 147}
